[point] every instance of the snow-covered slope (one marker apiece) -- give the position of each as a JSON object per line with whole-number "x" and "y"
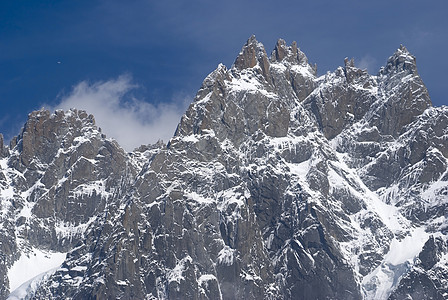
{"x": 277, "y": 184}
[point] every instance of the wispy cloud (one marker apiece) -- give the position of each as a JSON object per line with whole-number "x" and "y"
{"x": 367, "y": 62}
{"x": 132, "y": 122}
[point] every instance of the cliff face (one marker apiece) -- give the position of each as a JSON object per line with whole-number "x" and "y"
{"x": 276, "y": 184}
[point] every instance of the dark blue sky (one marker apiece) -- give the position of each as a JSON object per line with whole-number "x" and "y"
{"x": 168, "y": 47}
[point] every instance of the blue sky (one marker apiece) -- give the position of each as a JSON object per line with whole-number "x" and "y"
{"x": 150, "y": 57}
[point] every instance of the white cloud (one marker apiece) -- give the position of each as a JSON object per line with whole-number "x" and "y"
{"x": 130, "y": 121}
{"x": 367, "y": 62}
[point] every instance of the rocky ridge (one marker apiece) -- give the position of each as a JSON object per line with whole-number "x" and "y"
{"x": 277, "y": 184}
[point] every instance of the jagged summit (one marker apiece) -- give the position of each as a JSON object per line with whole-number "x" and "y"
{"x": 290, "y": 53}
{"x": 254, "y": 54}
{"x": 349, "y": 63}
{"x": 401, "y": 60}
{"x": 41, "y": 136}
{"x": 277, "y": 184}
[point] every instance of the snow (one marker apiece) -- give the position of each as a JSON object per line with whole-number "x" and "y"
{"x": 6, "y": 194}
{"x": 199, "y": 198}
{"x": 29, "y": 287}
{"x": 248, "y": 83}
{"x": 443, "y": 261}
{"x": 80, "y": 140}
{"x": 203, "y": 281}
{"x": 229, "y": 197}
{"x": 38, "y": 185}
{"x": 122, "y": 282}
{"x": 66, "y": 229}
{"x": 98, "y": 187}
{"x": 407, "y": 248}
{"x": 402, "y": 249}
{"x": 192, "y": 138}
{"x": 204, "y": 100}
{"x": 249, "y": 277}
{"x": 33, "y": 264}
{"x": 79, "y": 268}
{"x": 278, "y": 67}
{"x": 176, "y": 273}
{"x": 206, "y": 278}
{"x": 269, "y": 241}
{"x": 26, "y": 210}
{"x": 305, "y": 71}
{"x": 380, "y": 283}
{"x": 3, "y": 163}
{"x": 300, "y": 169}
{"x": 6, "y": 191}
{"x": 226, "y": 256}
{"x": 437, "y": 192}
{"x": 389, "y": 214}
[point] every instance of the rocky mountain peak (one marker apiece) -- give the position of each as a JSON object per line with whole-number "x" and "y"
{"x": 251, "y": 55}
{"x": 280, "y": 51}
{"x": 349, "y": 63}
{"x": 215, "y": 80}
{"x": 404, "y": 94}
{"x": 291, "y": 53}
{"x": 44, "y": 133}
{"x": 355, "y": 75}
{"x": 401, "y": 61}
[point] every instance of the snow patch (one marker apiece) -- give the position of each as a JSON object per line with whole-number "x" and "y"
{"x": 305, "y": 71}
{"x": 79, "y": 268}
{"x": 381, "y": 282}
{"x": 31, "y": 265}
{"x": 204, "y": 279}
{"x": 97, "y": 187}
{"x": 249, "y": 83}
{"x": 199, "y": 198}
{"x": 176, "y": 274}
{"x": 66, "y": 229}
{"x": 122, "y": 282}
{"x": 27, "y": 289}
{"x": 226, "y": 256}
{"x": 192, "y": 138}
{"x": 407, "y": 248}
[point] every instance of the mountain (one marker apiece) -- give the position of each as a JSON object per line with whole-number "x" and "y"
{"x": 278, "y": 184}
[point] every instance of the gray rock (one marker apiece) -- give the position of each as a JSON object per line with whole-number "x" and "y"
{"x": 3, "y": 150}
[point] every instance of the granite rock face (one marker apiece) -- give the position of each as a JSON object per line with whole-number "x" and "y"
{"x": 278, "y": 184}
{"x": 3, "y": 149}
